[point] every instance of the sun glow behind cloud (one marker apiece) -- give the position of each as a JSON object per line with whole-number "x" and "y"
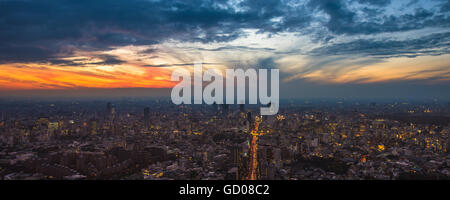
{"x": 153, "y": 70}
{"x": 321, "y": 42}
{"x": 38, "y": 76}
{"x": 427, "y": 69}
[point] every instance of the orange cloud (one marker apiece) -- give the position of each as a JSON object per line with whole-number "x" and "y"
{"x": 38, "y": 76}
{"x": 431, "y": 69}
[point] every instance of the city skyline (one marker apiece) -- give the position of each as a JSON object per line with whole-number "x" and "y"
{"x": 186, "y": 90}
{"x": 144, "y": 139}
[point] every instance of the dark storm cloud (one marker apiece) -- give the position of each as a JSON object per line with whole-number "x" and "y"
{"x": 375, "y": 2}
{"x": 267, "y": 63}
{"x": 343, "y": 20}
{"x": 228, "y": 47}
{"x": 35, "y": 30}
{"x": 179, "y": 65}
{"x": 106, "y": 60}
{"x": 48, "y": 30}
{"x": 260, "y": 63}
{"x": 434, "y": 44}
{"x": 445, "y": 7}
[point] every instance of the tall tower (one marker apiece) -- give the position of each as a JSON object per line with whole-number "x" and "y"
{"x": 108, "y": 108}
{"x": 249, "y": 117}
{"x": 110, "y": 111}
{"x": 147, "y": 116}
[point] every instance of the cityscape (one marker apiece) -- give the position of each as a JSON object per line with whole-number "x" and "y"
{"x": 238, "y": 90}
{"x": 152, "y": 139}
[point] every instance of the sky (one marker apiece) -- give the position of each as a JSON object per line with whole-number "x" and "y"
{"x": 323, "y": 48}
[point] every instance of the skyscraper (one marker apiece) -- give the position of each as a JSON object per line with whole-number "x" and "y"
{"x": 249, "y": 118}
{"x": 147, "y": 116}
{"x": 108, "y": 108}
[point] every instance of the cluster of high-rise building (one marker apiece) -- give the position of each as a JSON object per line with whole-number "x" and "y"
{"x": 154, "y": 139}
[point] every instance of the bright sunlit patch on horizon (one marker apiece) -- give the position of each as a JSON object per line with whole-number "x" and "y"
{"x": 428, "y": 68}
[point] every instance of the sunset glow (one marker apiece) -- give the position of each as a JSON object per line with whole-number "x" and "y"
{"x": 314, "y": 43}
